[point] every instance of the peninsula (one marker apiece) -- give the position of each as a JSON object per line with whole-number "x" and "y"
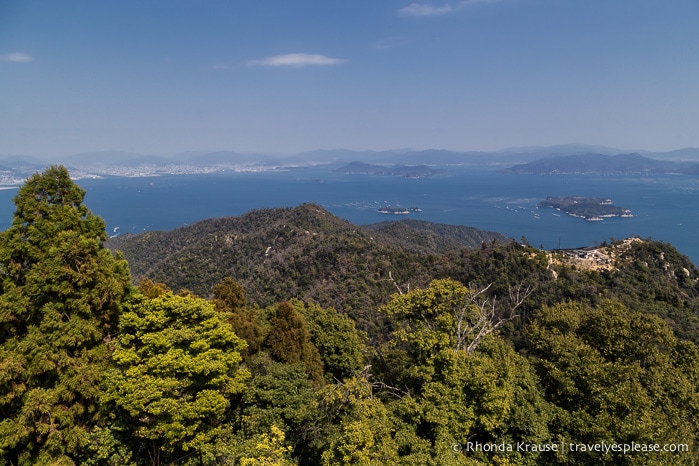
{"x": 589, "y": 208}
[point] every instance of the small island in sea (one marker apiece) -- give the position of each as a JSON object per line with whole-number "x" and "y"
{"x": 589, "y": 208}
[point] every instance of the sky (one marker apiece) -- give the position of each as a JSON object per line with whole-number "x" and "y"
{"x": 281, "y": 76}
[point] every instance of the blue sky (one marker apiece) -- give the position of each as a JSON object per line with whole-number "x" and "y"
{"x": 281, "y": 76}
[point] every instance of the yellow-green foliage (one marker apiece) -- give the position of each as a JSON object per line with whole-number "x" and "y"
{"x": 362, "y": 433}
{"x": 176, "y": 366}
{"x": 269, "y": 449}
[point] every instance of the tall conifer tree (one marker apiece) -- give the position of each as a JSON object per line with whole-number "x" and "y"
{"x": 290, "y": 342}
{"x": 60, "y": 294}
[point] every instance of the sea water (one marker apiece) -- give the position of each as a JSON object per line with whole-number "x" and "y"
{"x": 665, "y": 207}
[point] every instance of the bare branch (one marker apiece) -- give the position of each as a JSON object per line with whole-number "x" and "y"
{"x": 395, "y": 391}
{"x": 395, "y": 283}
{"x": 487, "y": 320}
{"x": 519, "y": 294}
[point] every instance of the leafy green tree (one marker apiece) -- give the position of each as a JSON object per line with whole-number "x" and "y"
{"x": 230, "y": 293}
{"x": 617, "y": 376}
{"x": 278, "y": 395}
{"x": 489, "y": 396}
{"x": 361, "y": 432}
{"x": 445, "y": 315}
{"x": 177, "y": 366}
{"x": 60, "y": 294}
{"x": 449, "y": 391}
{"x": 339, "y": 343}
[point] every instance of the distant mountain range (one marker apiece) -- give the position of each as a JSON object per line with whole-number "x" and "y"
{"x": 569, "y": 158}
{"x": 602, "y": 164}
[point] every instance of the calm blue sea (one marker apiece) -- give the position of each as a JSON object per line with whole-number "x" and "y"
{"x": 666, "y": 208}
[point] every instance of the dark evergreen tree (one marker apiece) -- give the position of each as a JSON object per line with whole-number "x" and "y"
{"x": 248, "y": 324}
{"x": 60, "y": 294}
{"x": 150, "y": 289}
{"x": 230, "y": 293}
{"x": 289, "y": 341}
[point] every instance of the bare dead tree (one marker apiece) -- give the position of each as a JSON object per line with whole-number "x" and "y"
{"x": 479, "y": 317}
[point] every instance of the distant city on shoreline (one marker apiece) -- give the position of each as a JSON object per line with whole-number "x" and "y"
{"x": 552, "y": 160}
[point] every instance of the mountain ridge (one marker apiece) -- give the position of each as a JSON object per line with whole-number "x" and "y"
{"x": 305, "y": 250}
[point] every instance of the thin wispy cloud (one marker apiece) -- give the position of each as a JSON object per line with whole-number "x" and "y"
{"x": 421, "y": 9}
{"x": 17, "y": 57}
{"x": 296, "y": 60}
{"x": 426, "y": 9}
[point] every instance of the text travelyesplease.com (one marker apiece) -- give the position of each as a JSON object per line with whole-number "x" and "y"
{"x": 603, "y": 447}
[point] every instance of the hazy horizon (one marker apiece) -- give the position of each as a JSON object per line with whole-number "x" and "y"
{"x": 557, "y": 149}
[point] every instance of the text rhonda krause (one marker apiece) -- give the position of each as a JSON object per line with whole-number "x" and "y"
{"x": 624, "y": 448}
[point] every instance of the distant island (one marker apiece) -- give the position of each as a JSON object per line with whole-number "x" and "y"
{"x": 406, "y": 171}
{"x": 589, "y": 208}
{"x": 601, "y": 164}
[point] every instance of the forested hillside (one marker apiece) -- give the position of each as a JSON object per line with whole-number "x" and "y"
{"x": 302, "y": 252}
{"x": 289, "y": 336}
{"x": 434, "y": 237}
